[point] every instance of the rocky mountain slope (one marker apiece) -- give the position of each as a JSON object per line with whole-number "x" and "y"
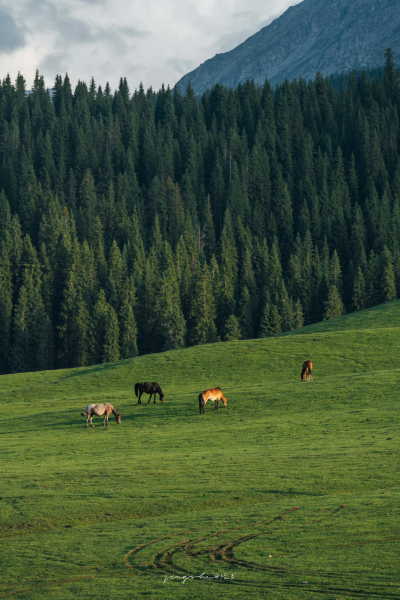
{"x": 329, "y": 36}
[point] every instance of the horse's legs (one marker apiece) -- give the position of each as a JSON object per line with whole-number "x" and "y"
{"x": 216, "y": 404}
{"x": 91, "y": 421}
{"x": 151, "y": 395}
{"x": 155, "y": 396}
{"x": 140, "y": 396}
{"x": 87, "y": 420}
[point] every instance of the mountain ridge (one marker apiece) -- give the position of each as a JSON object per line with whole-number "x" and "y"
{"x": 308, "y": 38}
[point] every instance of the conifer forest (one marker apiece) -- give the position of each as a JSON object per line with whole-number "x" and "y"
{"x": 138, "y": 223}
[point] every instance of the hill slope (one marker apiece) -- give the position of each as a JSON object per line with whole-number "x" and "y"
{"x": 289, "y": 492}
{"x": 313, "y": 36}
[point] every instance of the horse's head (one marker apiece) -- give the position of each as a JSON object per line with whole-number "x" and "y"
{"x": 303, "y": 375}
{"x": 162, "y": 398}
{"x": 118, "y": 419}
{"x": 224, "y": 400}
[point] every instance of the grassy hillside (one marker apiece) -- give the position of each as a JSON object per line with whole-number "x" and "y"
{"x": 378, "y": 317}
{"x": 292, "y": 491}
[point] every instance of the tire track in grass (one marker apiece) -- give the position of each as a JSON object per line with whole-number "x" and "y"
{"x": 165, "y": 561}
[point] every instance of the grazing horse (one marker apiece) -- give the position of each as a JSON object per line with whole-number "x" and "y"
{"x": 214, "y": 395}
{"x": 149, "y": 388}
{"x": 100, "y": 410}
{"x": 306, "y": 372}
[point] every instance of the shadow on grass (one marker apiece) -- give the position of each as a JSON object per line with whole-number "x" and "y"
{"x": 104, "y": 368}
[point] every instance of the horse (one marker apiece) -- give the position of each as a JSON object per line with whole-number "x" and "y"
{"x": 306, "y": 372}
{"x": 149, "y": 388}
{"x": 100, "y": 410}
{"x": 214, "y": 395}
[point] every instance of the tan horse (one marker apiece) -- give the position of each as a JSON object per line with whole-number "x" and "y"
{"x": 306, "y": 372}
{"x": 214, "y": 395}
{"x": 99, "y": 410}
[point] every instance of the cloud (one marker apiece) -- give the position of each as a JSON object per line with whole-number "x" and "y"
{"x": 182, "y": 65}
{"x": 56, "y": 63}
{"x": 11, "y": 36}
{"x": 133, "y": 32}
{"x": 153, "y": 41}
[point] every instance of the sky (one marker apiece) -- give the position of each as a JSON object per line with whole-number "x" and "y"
{"x": 148, "y": 41}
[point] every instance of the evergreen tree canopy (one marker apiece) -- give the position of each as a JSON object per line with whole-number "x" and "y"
{"x": 136, "y": 223}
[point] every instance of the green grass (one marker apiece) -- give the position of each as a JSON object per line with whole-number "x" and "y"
{"x": 293, "y": 489}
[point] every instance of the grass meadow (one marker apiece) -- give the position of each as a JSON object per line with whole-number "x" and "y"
{"x": 291, "y": 492}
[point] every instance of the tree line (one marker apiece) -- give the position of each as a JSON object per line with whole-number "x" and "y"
{"x": 138, "y": 223}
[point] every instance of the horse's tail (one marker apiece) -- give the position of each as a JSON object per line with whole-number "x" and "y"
{"x": 137, "y": 385}
{"x": 201, "y": 402}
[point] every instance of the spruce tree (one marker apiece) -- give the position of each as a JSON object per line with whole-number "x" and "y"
{"x": 246, "y": 314}
{"x": 128, "y": 333}
{"x": 334, "y": 305}
{"x": 232, "y": 330}
{"x": 111, "y": 351}
{"x": 298, "y": 316}
{"x": 271, "y": 323}
{"x": 128, "y": 326}
{"x": 98, "y": 328}
{"x": 286, "y": 310}
{"x": 170, "y": 326}
{"x": 358, "y": 297}
{"x": 203, "y": 329}
{"x": 389, "y": 285}
{"x": 73, "y": 329}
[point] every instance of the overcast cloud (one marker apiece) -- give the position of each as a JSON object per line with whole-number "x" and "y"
{"x": 149, "y": 41}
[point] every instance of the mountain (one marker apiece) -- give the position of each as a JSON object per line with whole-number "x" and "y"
{"x": 330, "y": 36}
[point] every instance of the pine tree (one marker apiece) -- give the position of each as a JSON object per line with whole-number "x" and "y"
{"x": 128, "y": 335}
{"x": 111, "y": 351}
{"x": 73, "y": 330}
{"x": 359, "y": 291}
{"x": 334, "y": 305}
{"x": 298, "y": 317}
{"x": 271, "y": 323}
{"x": 232, "y": 330}
{"x": 276, "y": 321}
{"x": 335, "y": 272}
{"x": 246, "y": 314}
{"x": 286, "y": 310}
{"x": 21, "y": 351}
{"x": 203, "y": 313}
{"x": 128, "y": 326}
{"x": 388, "y": 282}
{"x": 229, "y": 269}
{"x": 6, "y": 306}
{"x": 170, "y": 330}
{"x": 98, "y": 328}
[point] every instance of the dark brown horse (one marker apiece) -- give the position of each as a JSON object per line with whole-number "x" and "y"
{"x": 306, "y": 372}
{"x": 214, "y": 395}
{"x": 100, "y": 409}
{"x": 149, "y": 388}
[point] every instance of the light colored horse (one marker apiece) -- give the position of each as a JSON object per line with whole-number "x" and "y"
{"x": 214, "y": 395}
{"x": 99, "y": 410}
